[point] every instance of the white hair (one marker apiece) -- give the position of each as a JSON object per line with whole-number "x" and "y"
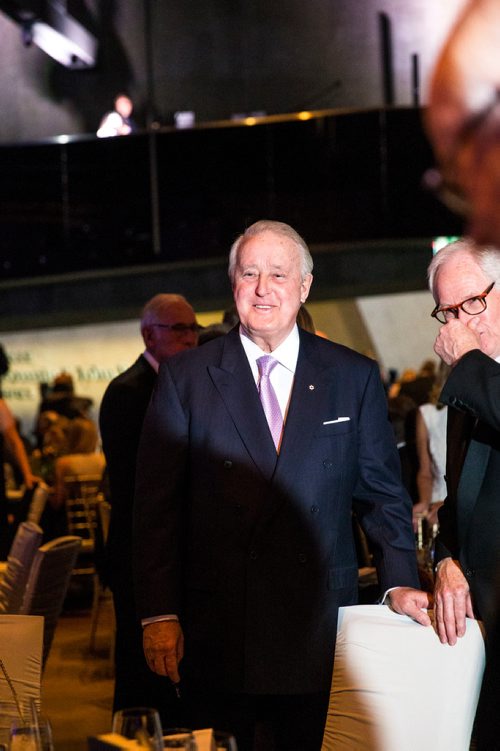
{"x": 278, "y": 228}
{"x": 486, "y": 257}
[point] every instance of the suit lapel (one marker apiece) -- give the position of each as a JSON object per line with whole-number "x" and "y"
{"x": 235, "y": 383}
{"x": 472, "y": 475}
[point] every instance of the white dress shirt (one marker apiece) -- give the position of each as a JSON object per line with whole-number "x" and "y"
{"x": 282, "y": 375}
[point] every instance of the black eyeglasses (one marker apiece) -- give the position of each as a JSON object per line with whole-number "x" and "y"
{"x": 179, "y": 328}
{"x": 472, "y": 306}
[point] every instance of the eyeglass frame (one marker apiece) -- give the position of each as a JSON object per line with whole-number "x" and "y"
{"x": 459, "y": 306}
{"x": 179, "y": 328}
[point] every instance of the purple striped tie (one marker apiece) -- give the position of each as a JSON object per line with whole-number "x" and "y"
{"x": 269, "y": 399}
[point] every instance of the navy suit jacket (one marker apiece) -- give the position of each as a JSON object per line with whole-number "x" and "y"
{"x": 255, "y": 552}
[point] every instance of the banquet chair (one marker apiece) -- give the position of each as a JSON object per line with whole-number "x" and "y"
{"x": 82, "y": 496}
{"x": 48, "y": 583}
{"x": 38, "y": 502}
{"x": 15, "y": 577}
{"x": 395, "y": 687}
{"x": 21, "y": 640}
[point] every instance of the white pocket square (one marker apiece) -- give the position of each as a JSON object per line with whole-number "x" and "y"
{"x": 339, "y": 419}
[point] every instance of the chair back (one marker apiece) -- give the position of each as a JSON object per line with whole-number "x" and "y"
{"x": 22, "y": 552}
{"x": 395, "y": 686}
{"x": 83, "y": 493}
{"x": 21, "y": 642}
{"x": 38, "y": 501}
{"x": 48, "y": 583}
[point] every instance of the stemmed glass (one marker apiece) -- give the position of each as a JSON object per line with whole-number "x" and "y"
{"x": 224, "y": 741}
{"x": 24, "y": 736}
{"x": 141, "y": 723}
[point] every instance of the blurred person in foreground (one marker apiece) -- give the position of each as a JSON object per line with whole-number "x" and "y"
{"x": 243, "y": 541}
{"x": 463, "y": 118}
{"x": 168, "y": 326}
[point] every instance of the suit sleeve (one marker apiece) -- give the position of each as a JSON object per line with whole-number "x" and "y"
{"x": 380, "y": 500}
{"x": 473, "y": 386}
{"x": 160, "y": 502}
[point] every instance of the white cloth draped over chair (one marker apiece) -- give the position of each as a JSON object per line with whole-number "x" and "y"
{"x": 395, "y": 687}
{"x": 21, "y": 640}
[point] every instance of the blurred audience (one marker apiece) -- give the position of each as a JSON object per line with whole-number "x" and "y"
{"x": 82, "y": 457}
{"x": 431, "y": 452}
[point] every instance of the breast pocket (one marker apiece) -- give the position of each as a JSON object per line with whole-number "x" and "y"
{"x": 332, "y": 429}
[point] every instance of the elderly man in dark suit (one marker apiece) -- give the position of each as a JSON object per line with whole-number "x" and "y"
{"x": 243, "y": 538}
{"x": 168, "y": 326}
{"x": 465, "y": 281}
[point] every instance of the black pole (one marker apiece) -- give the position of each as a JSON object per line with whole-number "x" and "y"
{"x": 415, "y": 80}
{"x": 148, "y": 55}
{"x": 387, "y": 67}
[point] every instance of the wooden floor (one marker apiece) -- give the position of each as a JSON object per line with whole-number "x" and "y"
{"x": 77, "y": 686}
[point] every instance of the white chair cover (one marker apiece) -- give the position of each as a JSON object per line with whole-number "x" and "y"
{"x": 21, "y": 640}
{"x": 395, "y": 687}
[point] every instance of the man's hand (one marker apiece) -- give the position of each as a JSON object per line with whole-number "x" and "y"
{"x": 452, "y": 601}
{"x": 164, "y": 648}
{"x": 409, "y": 601}
{"x": 454, "y": 340}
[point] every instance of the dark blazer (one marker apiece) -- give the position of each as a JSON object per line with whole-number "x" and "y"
{"x": 470, "y": 518}
{"x": 255, "y": 552}
{"x": 123, "y": 407}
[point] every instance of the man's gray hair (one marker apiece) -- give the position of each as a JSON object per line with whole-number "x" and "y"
{"x": 278, "y": 228}
{"x": 486, "y": 257}
{"x": 154, "y": 308}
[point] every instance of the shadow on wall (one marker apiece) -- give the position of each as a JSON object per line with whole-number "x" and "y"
{"x": 90, "y": 92}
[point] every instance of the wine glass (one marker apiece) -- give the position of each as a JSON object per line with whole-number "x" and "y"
{"x": 24, "y": 736}
{"x": 180, "y": 738}
{"x": 45, "y": 729}
{"x": 140, "y": 723}
{"x": 224, "y": 741}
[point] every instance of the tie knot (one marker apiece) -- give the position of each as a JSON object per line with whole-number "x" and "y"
{"x": 265, "y": 364}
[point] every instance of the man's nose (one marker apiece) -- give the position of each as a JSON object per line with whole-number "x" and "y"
{"x": 262, "y": 287}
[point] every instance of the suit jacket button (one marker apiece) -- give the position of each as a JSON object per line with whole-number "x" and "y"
{"x": 302, "y": 558}
{"x": 328, "y": 464}
{"x": 253, "y": 555}
{"x": 469, "y": 573}
{"x": 314, "y": 509}
{"x": 228, "y": 464}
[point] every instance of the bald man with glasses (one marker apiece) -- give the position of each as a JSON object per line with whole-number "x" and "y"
{"x": 168, "y": 326}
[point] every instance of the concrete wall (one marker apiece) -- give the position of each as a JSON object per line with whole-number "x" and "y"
{"x": 219, "y": 57}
